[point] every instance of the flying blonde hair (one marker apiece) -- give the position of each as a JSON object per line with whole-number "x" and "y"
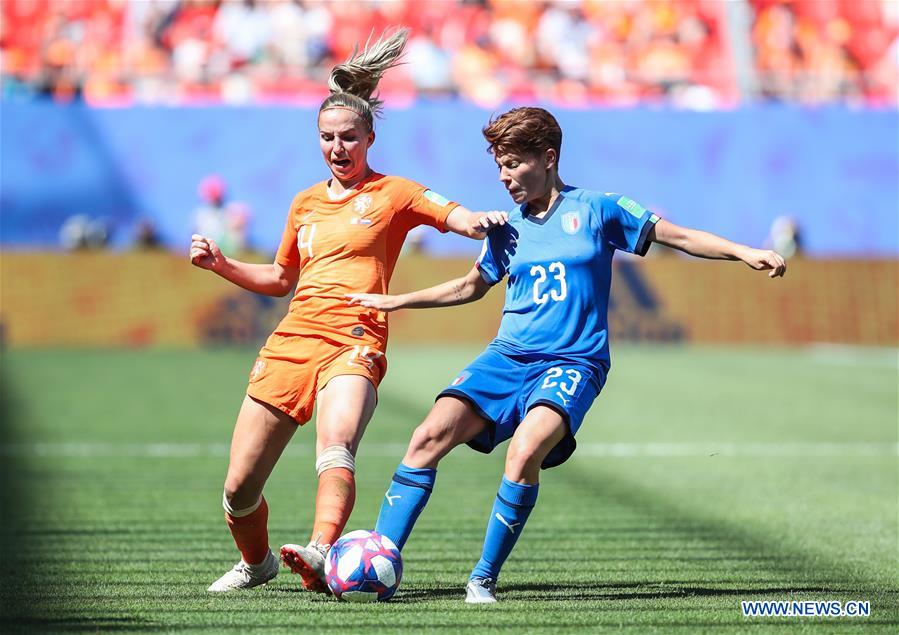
{"x": 353, "y": 83}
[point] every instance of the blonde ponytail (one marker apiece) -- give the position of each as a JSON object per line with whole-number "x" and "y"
{"x": 353, "y": 83}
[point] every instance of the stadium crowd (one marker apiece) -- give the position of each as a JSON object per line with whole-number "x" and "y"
{"x": 691, "y": 53}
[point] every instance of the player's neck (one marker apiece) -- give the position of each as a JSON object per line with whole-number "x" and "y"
{"x": 540, "y": 206}
{"x": 338, "y": 188}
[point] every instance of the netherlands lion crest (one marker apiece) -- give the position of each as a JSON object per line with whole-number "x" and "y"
{"x": 362, "y": 204}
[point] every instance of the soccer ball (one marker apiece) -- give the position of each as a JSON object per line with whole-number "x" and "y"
{"x": 363, "y": 566}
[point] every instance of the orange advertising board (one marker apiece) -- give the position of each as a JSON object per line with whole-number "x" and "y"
{"x": 158, "y": 299}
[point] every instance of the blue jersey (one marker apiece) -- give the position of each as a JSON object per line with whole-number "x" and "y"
{"x": 560, "y": 271}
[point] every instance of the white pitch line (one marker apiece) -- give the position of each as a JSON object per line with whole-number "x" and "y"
{"x": 617, "y": 450}
{"x": 866, "y": 356}
{"x": 744, "y": 449}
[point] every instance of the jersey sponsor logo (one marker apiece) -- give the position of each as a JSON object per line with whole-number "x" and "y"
{"x": 462, "y": 377}
{"x": 631, "y": 206}
{"x": 358, "y": 331}
{"x": 436, "y": 198}
{"x": 571, "y": 222}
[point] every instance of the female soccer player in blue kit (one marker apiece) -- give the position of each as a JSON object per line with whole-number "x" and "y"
{"x": 534, "y": 383}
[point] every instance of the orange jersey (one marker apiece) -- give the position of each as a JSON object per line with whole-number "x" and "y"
{"x": 350, "y": 245}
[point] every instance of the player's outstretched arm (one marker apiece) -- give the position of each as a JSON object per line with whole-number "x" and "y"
{"x": 459, "y": 291}
{"x": 464, "y": 222}
{"x": 273, "y": 279}
{"x": 705, "y": 245}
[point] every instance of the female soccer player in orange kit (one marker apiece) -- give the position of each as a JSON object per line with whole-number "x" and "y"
{"x": 342, "y": 236}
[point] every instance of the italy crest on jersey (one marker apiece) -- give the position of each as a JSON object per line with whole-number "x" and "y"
{"x": 571, "y": 222}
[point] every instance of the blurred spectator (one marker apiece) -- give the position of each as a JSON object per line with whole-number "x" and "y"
{"x": 225, "y": 223}
{"x": 784, "y": 237}
{"x": 488, "y": 51}
{"x": 146, "y": 237}
{"x": 80, "y": 232}
{"x": 430, "y": 66}
{"x": 242, "y": 29}
{"x": 815, "y": 51}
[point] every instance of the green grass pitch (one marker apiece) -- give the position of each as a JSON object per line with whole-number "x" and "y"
{"x": 704, "y": 477}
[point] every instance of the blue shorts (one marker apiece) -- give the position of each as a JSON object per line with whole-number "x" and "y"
{"x": 503, "y": 388}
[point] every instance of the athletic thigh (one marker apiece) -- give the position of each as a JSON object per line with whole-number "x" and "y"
{"x": 345, "y": 406}
{"x": 492, "y": 384}
{"x": 260, "y": 436}
{"x": 568, "y": 388}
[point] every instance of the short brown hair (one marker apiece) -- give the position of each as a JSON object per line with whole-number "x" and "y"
{"x": 523, "y": 131}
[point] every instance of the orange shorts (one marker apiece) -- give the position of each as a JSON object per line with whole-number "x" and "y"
{"x": 291, "y": 369}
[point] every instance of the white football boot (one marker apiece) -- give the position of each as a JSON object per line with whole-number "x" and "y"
{"x": 246, "y": 576}
{"x": 309, "y": 563}
{"x": 480, "y": 591}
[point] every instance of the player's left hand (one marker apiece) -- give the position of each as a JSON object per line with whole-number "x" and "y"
{"x": 765, "y": 259}
{"x": 485, "y": 221}
{"x": 377, "y": 301}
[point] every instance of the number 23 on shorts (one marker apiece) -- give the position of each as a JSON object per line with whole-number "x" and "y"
{"x": 566, "y": 380}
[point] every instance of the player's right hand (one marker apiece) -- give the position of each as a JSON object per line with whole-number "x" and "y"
{"x": 378, "y": 301}
{"x": 204, "y": 253}
{"x": 485, "y": 221}
{"x": 766, "y": 260}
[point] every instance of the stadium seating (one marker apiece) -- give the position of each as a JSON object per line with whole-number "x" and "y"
{"x": 487, "y": 51}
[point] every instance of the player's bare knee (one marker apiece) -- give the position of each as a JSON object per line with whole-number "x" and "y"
{"x": 425, "y": 446}
{"x": 340, "y": 430}
{"x": 527, "y": 472}
{"x": 523, "y": 462}
{"x": 240, "y": 493}
{"x": 337, "y": 439}
{"x": 240, "y": 500}
{"x": 421, "y": 447}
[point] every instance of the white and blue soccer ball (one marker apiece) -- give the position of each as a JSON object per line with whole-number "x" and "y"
{"x": 363, "y": 566}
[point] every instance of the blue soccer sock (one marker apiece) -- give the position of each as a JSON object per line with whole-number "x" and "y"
{"x": 405, "y": 499}
{"x": 513, "y": 505}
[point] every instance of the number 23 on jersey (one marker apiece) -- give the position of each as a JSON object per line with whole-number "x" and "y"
{"x": 545, "y": 288}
